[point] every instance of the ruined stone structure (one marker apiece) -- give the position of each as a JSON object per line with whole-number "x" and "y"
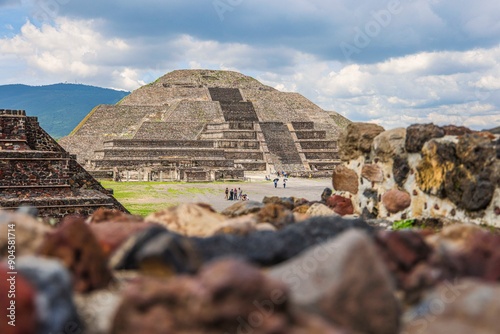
{"x": 206, "y": 125}
{"x": 36, "y": 171}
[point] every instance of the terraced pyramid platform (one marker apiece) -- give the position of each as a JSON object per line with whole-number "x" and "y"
{"x": 205, "y": 125}
{"x": 36, "y": 171}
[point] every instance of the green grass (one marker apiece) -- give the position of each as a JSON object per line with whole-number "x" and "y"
{"x": 403, "y": 224}
{"x": 143, "y": 198}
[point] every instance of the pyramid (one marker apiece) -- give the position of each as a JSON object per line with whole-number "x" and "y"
{"x": 35, "y": 171}
{"x": 205, "y": 125}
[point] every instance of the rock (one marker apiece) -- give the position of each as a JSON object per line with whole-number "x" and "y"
{"x": 242, "y": 225}
{"x": 372, "y": 173}
{"x": 396, "y": 200}
{"x": 481, "y": 256}
{"x": 265, "y": 227}
{"x": 400, "y": 170}
{"x": 21, "y": 317}
{"x": 389, "y": 144}
{"x": 56, "y": 311}
{"x": 29, "y": 232}
{"x": 327, "y": 192}
{"x": 189, "y": 219}
{"x": 97, "y": 309}
{"x": 459, "y": 307}
{"x": 340, "y": 205}
{"x": 111, "y": 235}
{"x": 437, "y": 160}
{"x": 287, "y": 202}
{"x": 104, "y": 215}
{"x": 225, "y": 297}
{"x": 453, "y": 130}
{"x": 345, "y": 179}
{"x": 318, "y": 210}
{"x": 401, "y": 252}
{"x": 454, "y": 237}
{"x": 242, "y": 208}
{"x": 275, "y": 214}
{"x": 75, "y": 244}
{"x": 418, "y": 134}
{"x": 331, "y": 279}
{"x": 357, "y": 140}
{"x": 166, "y": 253}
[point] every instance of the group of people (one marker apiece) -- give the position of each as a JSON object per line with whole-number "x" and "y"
{"x": 235, "y": 194}
{"x": 276, "y": 182}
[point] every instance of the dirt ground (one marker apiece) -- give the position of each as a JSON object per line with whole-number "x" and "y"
{"x": 257, "y": 188}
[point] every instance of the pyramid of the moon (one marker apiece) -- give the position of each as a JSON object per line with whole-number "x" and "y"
{"x": 35, "y": 171}
{"x": 205, "y": 125}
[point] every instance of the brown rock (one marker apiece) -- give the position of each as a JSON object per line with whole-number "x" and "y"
{"x": 104, "y": 215}
{"x": 453, "y": 130}
{"x": 396, "y": 200}
{"x": 418, "y": 134}
{"x": 22, "y": 314}
{"x": 190, "y": 219}
{"x": 75, "y": 244}
{"x": 242, "y": 225}
{"x": 242, "y": 208}
{"x": 227, "y": 296}
{"x": 400, "y": 169}
{"x": 275, "y": 214}
{"x": 340, "y": 205}
{"x": 319, "y": 210}
{"x": 345, "y": 179}
{"x": 372, "y": 173}
{"x": 331, "y": 279}
{"x": 459, "y": 307}
{"x": 389, "y": 144}
{"x": 357, "y": 140}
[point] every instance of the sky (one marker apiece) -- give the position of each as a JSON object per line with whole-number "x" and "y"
{"x": 393, "y": 63}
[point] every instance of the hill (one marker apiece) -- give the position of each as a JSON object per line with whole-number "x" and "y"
{"x": 59, "y": 107}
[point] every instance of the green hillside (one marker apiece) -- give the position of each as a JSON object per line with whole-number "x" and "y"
{"x": 59, "y": 107}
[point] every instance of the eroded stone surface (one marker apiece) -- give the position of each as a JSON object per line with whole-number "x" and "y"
{"x": 418, "y": 134}
{"x": 345, "y": 179}
{"x": 357, "y": 140}
{"x": 331, "y": 279}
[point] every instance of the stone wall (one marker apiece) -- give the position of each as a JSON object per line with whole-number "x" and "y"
{"x": 238, "y": 112}
{"x": 169, "y": 131}
{"x": 420, "y": 172}
{"x": 225, "y": 94}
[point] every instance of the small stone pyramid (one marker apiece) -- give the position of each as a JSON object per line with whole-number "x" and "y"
{"x": 35, "y": 171}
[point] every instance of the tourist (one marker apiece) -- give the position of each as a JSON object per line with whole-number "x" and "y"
{"x": 284, "y": 183}
{"x": 240, "y": 193}
{"x": 227, "y": 193}
{"x": 231, "y": 193}
{"x": 235, "y": 194}
{"x": 276, "y": 182}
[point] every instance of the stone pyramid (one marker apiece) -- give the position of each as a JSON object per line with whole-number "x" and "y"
{"x": 205, "y": 125}
{"x": 36, "y": 171}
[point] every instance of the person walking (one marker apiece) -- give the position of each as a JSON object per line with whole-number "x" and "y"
{"x": 276, "y": 182}
{"x": 284, "y": 183}
{"x": 227, "y": 193}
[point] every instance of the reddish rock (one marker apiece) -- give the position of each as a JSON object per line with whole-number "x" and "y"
{"x": 396, "y": 200}
{"x": 372, "y": 173}
{"x": 23, "y": 313}
{"x": 227, "y": 296}
{"x": 75, "y": 244}
{"x": 345, "y": 179}
{"x": 104, "y": 215}
{"x": 453, "y": 130}
{"x": 340, "y": 205}
{"x": 111, "y": 235}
